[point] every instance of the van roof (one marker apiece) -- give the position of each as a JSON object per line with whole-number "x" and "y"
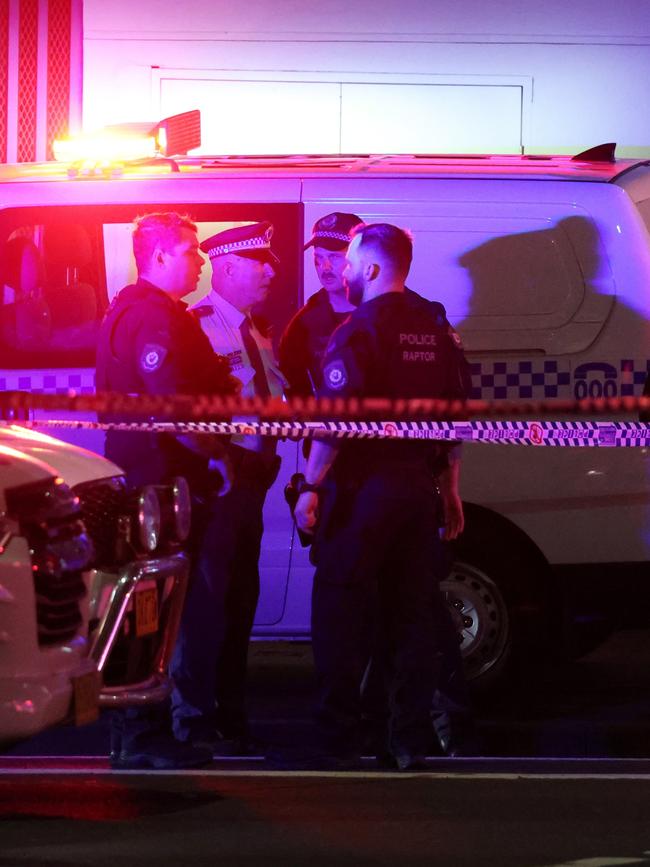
{"x": 405, "y": 165}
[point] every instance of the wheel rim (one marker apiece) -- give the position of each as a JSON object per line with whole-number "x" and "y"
{"x": 480, "y": 616}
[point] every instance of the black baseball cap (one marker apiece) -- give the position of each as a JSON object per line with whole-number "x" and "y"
{"x": 332, "y": 232}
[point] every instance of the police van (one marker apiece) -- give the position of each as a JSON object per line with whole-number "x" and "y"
{"x": 543, "y": 265}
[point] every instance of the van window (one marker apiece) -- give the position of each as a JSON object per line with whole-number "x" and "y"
{"x": 51, "y": 292}
{"x": 61, "y": 267}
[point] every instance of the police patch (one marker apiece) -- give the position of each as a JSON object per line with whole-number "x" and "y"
{"x": 152, "y": 357}
{"x": 335, "y": 374}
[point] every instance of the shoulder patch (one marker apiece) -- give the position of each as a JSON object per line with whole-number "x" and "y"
{"x": 152, "y": 357}
{"x": 335, "y": 375}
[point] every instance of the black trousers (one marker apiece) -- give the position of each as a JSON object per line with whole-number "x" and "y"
{"x": 451, "y": 697}
{"x": 378, "y": 560}
{"x": 210, "y": 659}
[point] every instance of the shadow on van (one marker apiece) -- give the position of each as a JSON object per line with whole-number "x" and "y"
{"x": 544, "y": 292}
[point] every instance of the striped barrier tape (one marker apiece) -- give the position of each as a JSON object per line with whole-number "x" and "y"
{"x": 211, "y": 407}
{"x": 533, "y": 433}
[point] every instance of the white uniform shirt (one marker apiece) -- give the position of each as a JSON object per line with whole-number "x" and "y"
{"x": 221, "y": 321}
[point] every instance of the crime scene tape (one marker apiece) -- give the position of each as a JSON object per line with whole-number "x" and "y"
{"x": 214, "y": 407}
{"x": 532, "y": 433}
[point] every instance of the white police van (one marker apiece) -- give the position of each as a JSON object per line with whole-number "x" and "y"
{"x": 543, "y": 264}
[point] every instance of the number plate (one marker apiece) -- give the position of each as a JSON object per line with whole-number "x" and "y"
{"x": 85, "y": 698}
{"x": 146, "y": 611}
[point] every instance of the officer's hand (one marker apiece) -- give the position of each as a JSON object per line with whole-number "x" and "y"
{"x": 454, "y": 519}
{"x": 306, "y": 512}
{"x": 224, "y": 468}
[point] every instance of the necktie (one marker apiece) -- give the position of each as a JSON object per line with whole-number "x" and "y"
{"x": 255, "y": 358}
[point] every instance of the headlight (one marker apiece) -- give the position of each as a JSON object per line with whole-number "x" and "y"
{"x": 148, "y": 518}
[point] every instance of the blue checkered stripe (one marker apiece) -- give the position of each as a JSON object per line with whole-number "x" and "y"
{"x": 537, "y": 379}
{"x": 81, "y": 380}
{"x": 633, "y": 376}
{"x": 526, "y": 380}
{"x": 543, "y": 379}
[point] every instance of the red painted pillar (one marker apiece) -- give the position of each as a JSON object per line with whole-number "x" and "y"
{"x": 40, "y": 75}
{"x": 4, "y": 53}
{"x": 27, "y": 79}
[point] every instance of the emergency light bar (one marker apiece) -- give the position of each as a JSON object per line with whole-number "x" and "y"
{"x": 124, "y": 143}
{"x": 104, "y": 146}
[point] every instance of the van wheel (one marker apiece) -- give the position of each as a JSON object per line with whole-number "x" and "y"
{"x": 480, "y": 616}
{"x": 501, "y": 597}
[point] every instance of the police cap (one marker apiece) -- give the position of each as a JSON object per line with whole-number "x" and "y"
{"x": 332, "y": 232}
{"x": 251, "y": 242}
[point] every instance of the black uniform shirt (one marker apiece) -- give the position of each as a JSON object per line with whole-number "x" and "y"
{"x": 149, "y": 344}
{"x": 304, "y": 343}
{"x": 398, "y": 345}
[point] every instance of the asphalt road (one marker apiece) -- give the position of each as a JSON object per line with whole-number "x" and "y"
{"x": 564, "y": 782}
{"x": 595, "y": 707}
{"x": 228, "y": 819}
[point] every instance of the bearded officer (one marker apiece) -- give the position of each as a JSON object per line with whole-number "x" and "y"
{"x": 301, "y": 352}
{"x": 378, "y": 554}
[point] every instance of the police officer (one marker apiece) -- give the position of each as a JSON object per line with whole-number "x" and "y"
{"x": 301, "y": 352}
{"x": 210, "y": 661}
{"x": 377, "y": 551}
{"x": 149, "y": 344}
{"x": 304, "y": 341}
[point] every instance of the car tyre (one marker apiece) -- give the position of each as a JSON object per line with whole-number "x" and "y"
{"x": 500, "y": 593}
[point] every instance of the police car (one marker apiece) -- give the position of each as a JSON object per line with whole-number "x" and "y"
{"x": 91, "y": 584}
{"x": 543, "y": 264}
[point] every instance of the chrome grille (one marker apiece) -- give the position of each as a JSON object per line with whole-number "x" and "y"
{"x": 49, "y": 517}
{"x": 102, "y": 503}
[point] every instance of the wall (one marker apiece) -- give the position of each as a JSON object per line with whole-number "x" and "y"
{"x": 583, "y": 68}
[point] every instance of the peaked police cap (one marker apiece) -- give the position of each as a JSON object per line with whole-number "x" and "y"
{"x": 252, "y": 242}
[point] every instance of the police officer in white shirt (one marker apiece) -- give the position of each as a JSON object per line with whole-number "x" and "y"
{"x": 209, "y": 665}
